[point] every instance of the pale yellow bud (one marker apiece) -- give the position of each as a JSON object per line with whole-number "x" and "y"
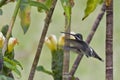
{"x": 61, "y": 40}
{"x": 51, "y": 42}
{"x": 11, "y": 43}
{"x": 2, "y": 39}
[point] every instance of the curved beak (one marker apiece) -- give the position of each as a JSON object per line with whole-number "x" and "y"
{"x": 68, "y": 33}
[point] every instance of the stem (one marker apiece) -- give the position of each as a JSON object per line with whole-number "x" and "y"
{"x": 41, "y": 41}
{"x": 11, "y": 26}
{"x": 66, "y": 57}
{"x": 89, "y": 38}
{"x": 109, "y": 41}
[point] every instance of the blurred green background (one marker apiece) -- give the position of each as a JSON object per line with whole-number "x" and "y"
{"x": 89, "y": 69}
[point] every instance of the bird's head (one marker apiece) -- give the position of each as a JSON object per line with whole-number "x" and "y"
{"x": 77, "y": 36}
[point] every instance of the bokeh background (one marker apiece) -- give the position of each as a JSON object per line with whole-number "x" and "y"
{"x": 89, "y": 68}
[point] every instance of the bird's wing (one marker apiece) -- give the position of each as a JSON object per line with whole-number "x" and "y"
{"x": 79, "y": 44}
{"x": 74, "y": 49}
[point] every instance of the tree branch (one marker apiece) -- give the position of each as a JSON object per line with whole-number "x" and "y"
{"x": 41, "y": 41}
{"x": 109, "y": 40}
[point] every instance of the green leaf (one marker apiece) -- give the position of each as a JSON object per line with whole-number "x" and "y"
{"x": 39, "y": 5}
{"x": 11, "y": 64}
{"x": 101, "y": 1}
{"x": 5, "y": 29}
{"x": 3, "y": 77}
{"x": 91, "y": 6}
{"x": 18, "y": 63}
{"x": 42, "y": 69}
{"x": 67, "y": 8}
{"x": 47, "y": 3}
{"x": 1, "y": 12}
{"x": 25, "y": 10}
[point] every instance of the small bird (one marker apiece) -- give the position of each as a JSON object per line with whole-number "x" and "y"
{"x": 79, "y": 46}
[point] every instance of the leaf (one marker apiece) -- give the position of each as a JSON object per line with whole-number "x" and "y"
{"x": 47, "y": 3}
{"x": 25, "y": 10}
{"x": 4, "y": 29}
{"x": 101, "y": 1}
{"x": 18, "y": 63}
{"x": 67, "y": 8}
{"x": 11, "y": 64}
{"x": 42, "y": 69}
{"x": 2, "y": 77}
{"x": 1, "y": 12}
{"x": 39, "y": 5}
{"x": 91, "y": 6}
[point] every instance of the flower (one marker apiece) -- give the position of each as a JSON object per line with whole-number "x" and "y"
{"x": 51, "y": 42}
{"x": 2, "y": 39}
{"x": 11, "y": 43}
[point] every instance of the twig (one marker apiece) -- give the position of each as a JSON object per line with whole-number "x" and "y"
{"x": 41, "y": 41}
{"x": 89, "y": 38}
{"x": 109, "y": 40}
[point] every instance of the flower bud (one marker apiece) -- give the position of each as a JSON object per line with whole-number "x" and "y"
{"x": 51, "y": 42}
{"x": 2, "y": 39}
{"x": 61, "y": 40}
{"x": 11, "y": 43}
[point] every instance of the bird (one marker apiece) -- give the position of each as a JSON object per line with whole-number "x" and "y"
{"x": 81, "y": 47}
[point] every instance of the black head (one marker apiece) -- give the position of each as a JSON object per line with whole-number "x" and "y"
{"x": 78, "y": 36}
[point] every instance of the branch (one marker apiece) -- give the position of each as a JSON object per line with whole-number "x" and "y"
{"x": 89, "y": 38}
{"x": 109, "y": 40}
{"x": 41, "y": 41}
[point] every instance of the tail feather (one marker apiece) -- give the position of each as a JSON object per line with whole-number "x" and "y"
{"x": 97, "y": 57}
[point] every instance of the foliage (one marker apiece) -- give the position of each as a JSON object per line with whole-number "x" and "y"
{"x": 3, "y": 77}
{"x": 91, "y": 5}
